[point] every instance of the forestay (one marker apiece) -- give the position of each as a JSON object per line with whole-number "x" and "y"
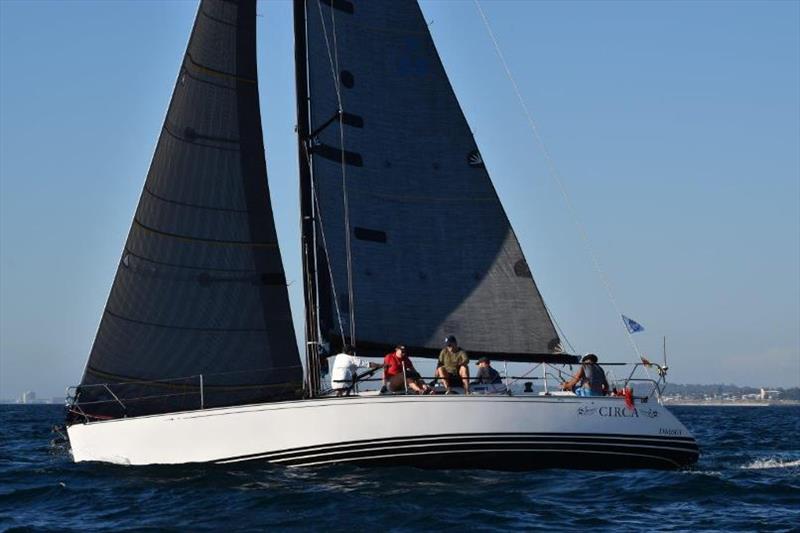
{"x": 432, "y": 250}
{"x": 200, "y": 287}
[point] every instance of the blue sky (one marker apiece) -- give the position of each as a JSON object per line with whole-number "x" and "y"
{"x": 676, "y": 126}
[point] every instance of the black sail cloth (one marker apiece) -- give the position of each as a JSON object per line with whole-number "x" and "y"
{"x": 200, "y": 287}
{"x": 433, "y": 252}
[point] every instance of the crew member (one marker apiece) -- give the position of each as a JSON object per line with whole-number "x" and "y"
{"x": 345, "y": 367}
{"x": 486, "y": 375}
{"x": 399, "y": 373}
{"x": 453, "y": 366}
{"x": 589, "y": 380}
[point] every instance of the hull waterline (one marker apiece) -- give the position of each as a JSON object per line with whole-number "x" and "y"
{"x": 485, "y": 432}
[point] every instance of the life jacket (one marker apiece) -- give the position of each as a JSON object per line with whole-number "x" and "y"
{"x": 594, "y": 377}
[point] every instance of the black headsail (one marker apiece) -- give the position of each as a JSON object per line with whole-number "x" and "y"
{"x": 432, "y": 250}
{"x": 200, "y": 288}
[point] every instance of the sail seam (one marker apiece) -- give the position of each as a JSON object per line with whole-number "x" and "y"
{"x": 149, "y": 191}
{"x": 184, "y": 328}
{"x": 377, "y": 29}
{"x": 205, "y": 240}
{"x": 215, "y": 19}
{"x": 196, "y": 78}
{"x": 220, "y": 73}
{"x": 426, "y": 199}
{"x": 127, "y": 251}
{"x": 174, "y": 135}
{"x": 254, "y": 279}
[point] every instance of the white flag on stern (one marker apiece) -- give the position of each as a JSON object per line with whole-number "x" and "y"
{"x": 632, "y": 325}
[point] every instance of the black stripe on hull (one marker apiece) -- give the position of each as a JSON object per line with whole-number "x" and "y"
{"x": 498, "y": 452}
{"x": 519, "y": 460}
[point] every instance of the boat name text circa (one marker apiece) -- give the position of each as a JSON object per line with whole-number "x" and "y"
{"x": 614, "y": 411}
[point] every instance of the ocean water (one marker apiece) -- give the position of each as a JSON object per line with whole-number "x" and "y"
{"x": 747, "y": 479}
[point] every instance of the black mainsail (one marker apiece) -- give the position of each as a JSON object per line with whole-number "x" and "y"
{"x": 401, "y": 193}
{"x": 200, "y": 288}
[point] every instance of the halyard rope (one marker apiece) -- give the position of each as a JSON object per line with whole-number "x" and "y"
{"x": 328, "y": 261}
{"x": 333, "y": 59}
{"x": 555, "y": 174}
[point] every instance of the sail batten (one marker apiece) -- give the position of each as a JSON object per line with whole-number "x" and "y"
{"x": 200, "y": 299}
{"x": 433, "y": 252}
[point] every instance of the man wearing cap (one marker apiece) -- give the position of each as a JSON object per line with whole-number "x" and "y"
{"x": 486, "y": 375}
{"x": 345, "y": 366}
{"x": 590, "y": 380}
{"x": 453, "y": 365}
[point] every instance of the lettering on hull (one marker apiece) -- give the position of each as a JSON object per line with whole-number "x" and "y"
{"x": 616, "y": 411}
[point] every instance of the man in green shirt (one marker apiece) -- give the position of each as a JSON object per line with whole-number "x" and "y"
{"x": 453, "y": 366}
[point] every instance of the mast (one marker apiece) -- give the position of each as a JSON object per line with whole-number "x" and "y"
{"x": 307, "y": 239}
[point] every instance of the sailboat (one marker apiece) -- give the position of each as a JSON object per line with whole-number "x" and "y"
{"x": 404, "y": 240}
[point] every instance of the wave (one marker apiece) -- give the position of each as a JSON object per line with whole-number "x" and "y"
{"x": 771, "y": 462}
{"x": 712, "y": 473}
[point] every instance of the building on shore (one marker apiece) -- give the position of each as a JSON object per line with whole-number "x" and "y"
{"x": 28, "y": 397}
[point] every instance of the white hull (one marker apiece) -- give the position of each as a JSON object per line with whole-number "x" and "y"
{"x": 504, "y": 432}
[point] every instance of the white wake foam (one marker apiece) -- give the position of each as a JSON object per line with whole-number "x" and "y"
{"x": 772, "y": 462}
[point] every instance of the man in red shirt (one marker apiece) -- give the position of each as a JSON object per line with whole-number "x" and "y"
{"x": 399, "y": 373}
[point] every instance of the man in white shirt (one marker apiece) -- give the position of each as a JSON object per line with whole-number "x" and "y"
{"x": 345, "y": 366}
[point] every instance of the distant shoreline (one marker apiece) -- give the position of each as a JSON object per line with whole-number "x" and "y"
{"x": 732, "y": 403}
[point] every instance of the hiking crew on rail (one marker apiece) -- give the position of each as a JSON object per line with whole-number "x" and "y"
{"x": 452, "y": 370}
